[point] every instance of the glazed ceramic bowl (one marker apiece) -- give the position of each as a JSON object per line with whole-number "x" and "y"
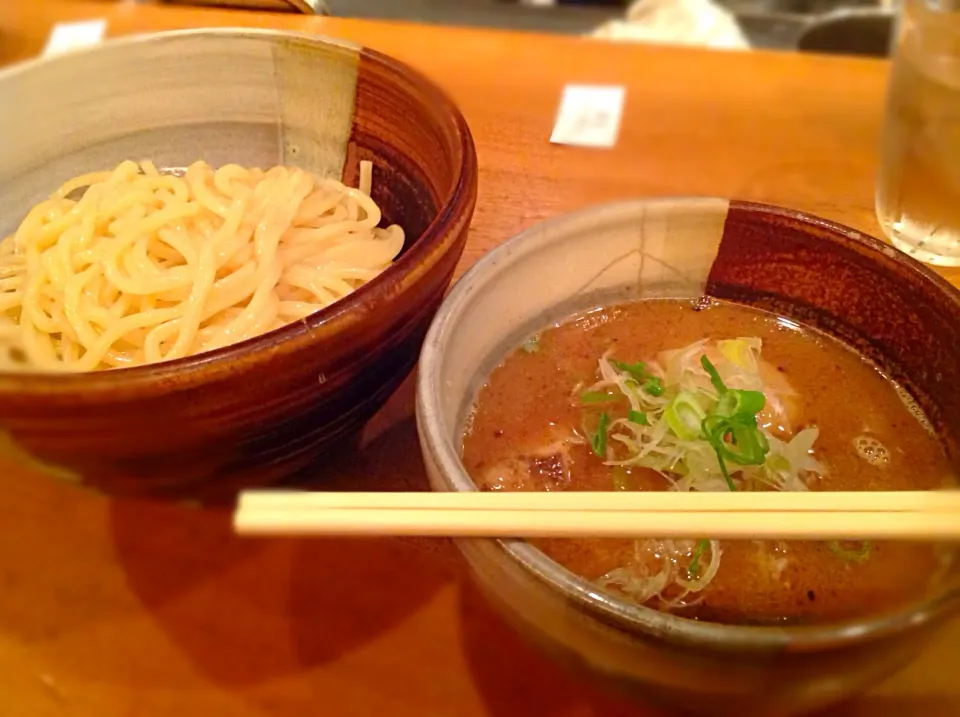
{"x": 253, "y": 412}
{"x": 890, "y": 307}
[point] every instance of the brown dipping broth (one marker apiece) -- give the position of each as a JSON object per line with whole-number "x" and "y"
{"x": 530, "y": 402}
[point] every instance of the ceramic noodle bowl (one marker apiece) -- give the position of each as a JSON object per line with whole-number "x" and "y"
{"x": 254, "y": 412}
{"x": 888, "y": 307}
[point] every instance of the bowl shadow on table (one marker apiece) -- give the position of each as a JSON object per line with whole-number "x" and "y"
{"x": 246, "y": 610}
{"x": 515, "y": 680}
{"x": 888, "y": 706}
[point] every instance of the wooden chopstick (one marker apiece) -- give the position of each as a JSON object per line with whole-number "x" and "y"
{"x": 899, "y": 515}
{"x": 645, "y": 501}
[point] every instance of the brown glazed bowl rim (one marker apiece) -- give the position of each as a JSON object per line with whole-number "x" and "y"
{"x": 325, "y": 323}
{"x": 633, "y": 618}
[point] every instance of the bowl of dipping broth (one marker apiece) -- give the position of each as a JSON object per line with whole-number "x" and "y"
{"x": 222, "y": 251}
{"x": 702, "y": 345}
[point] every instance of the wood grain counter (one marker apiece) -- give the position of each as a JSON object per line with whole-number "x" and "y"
{"x": 133, "y": 609}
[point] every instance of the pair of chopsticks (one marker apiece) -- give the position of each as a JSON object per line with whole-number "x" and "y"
{"x": 897, "y": 515}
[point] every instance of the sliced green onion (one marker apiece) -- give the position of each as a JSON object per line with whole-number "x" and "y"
{"x": 715, "y": 429}
{"x": 638, "y": 417}
{"x": 750, "y": 442}
{"x": 653, "y": 386}
{"x": 726, "y": 406}
{"x": 714, "y": 375}
{"x": 853, "y": 554}
{"x": 685, "y": 416}
{"x": 747, "y": 447}
{"x": 764, "y": 445}
{"x": 596, "y": 397}
{"x": 734, "y": 418}
{"x": 726, "y": 474}
{"x": 729, "y": 426}
{"x": 734, "y": 402}
{"x": 751, "y": 402}
{"x": 693, "y": 569}
{"x": 638, "y": 372}
{"x": 598, "y": 442}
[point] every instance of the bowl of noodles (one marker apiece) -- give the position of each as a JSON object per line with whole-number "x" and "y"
{"x": 699, "y": 345}
{"x": 222, "y": 249}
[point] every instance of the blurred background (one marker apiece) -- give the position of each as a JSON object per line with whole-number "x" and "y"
{"x": 852, "y": 27}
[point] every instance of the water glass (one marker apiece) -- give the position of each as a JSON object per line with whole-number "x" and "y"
{"x": 918, "y": 192}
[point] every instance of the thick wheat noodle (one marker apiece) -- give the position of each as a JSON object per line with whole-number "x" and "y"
{"x": 148, "y": 267}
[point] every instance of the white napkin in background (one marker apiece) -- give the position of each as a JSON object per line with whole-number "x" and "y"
{"x": 680, "y": 22}
{"x": 66, "y": 36}
{"x": 589, "y": 116}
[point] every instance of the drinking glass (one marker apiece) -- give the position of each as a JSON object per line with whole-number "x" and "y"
{"x": 918, "y": 192}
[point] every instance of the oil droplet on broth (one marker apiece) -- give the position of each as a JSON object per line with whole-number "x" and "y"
{"x": 871, "y": 450}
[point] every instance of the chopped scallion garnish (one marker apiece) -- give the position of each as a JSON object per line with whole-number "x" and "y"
{"x": 697, "y": 435}
{"x": 598, "y": 442}
{"x": 684, "y": 415}
{"x": 679, "y": 434}
{"x": 638, "y": 371}
{"x": 736, "y": 438}
{"x": 596, "y": 397}
{"x": 731, "y": 428}
{"x": 693, "y": 569}
{"x": 726, "y": 474}
{"x": 638, "y": 417}
{"x": 733, "y": 402}
{"x": 531, "y": 345}
{"x": 714, "y": 375}
{"x": 653, "y": 386}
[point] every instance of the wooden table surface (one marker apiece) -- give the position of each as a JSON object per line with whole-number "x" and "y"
{"x": 132, "y": 609}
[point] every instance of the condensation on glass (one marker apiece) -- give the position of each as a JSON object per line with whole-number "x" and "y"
{"x": 918, "y": 192}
